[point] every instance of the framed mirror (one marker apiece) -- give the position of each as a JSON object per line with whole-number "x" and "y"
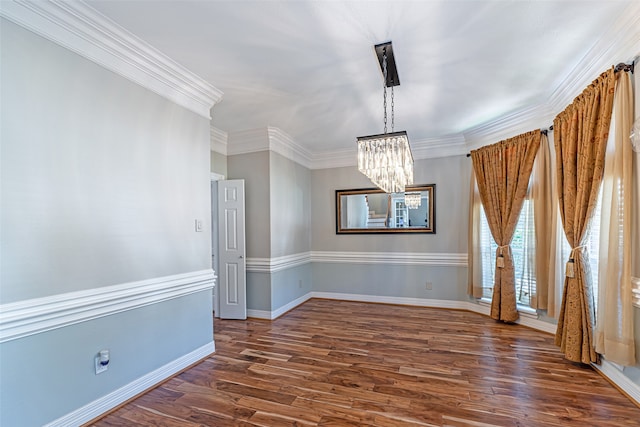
{"x": 371, "y": 210}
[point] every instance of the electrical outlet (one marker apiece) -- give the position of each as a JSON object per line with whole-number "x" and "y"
{"x": 102, "y": 361}
{"x": 100, "y": 368}
{"x": 429, "y": 286}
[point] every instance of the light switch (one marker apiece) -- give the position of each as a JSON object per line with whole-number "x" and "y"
{"x": 198, "y": 225}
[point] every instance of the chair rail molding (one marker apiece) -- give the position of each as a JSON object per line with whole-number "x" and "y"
{"x": 33, "y": 316}
{"x": 272, "y": 265}
{"x": 399, "y": 258}
{"x": 83, "y": 30}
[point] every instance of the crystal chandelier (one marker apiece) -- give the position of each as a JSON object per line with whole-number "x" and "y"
{"x": 412, "y": 200}
{"x": 386, "y": 158}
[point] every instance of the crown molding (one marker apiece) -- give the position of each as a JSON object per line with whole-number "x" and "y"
{"x": 247, "y": 141}
{"x": 218, "y": 139}
{"x": 334, "y": 159}
{"x": 619, "y": 43}
{"x": 281, "y": 143}
{"x": 537, "y": 117}
{"x": 452, "y": 145}
{"x": 78, "y": 27}
{"x": 268, "y": 139}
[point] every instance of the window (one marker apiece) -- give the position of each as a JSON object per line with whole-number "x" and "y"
{"x": 523, "y": 250}
{"x": 635, "y": 288}
{"x": 593, "y": 246}
{"x": 400, "y": 214}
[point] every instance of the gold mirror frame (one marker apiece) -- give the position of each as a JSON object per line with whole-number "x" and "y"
{"x": 372, "y": 211}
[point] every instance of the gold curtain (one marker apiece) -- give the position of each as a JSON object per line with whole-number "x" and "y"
{"x": 614, "y": 324}
{"x": 580, "y": 133}
{"x": 502, "y": 174}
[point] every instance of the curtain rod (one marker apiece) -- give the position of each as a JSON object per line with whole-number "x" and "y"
{"x": 620, "y": 67}
{"x": 542, "y": 131}
{"x": 625, "y": 67}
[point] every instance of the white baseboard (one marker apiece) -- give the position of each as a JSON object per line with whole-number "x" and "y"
{"x": 270, "y": 315}
{"x": 259, "y": 314}
{"x": 106, "y": 403}
{"x": 616, "y": 376}
{"x": 293, "y": 304}
{"x": 533, "y": 323}
{"x": 420, "y": 302}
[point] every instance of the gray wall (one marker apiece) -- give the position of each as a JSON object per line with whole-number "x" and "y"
{"x": 290, "y": 227}
{"x": 101, "y": 179}
{"x": 101, "y": 183}
{"x": 49, "y": 375}
{"x": 290, "y": 284}
{"x": 451, "y": 176}
{"x": 254, "y": 169}
{"x": 290, "y": 201}
{"x": 218, "y": 163}
{"x": 278, "y": 212}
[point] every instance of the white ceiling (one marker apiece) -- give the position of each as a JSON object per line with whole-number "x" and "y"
{"x": 309, "y": 67}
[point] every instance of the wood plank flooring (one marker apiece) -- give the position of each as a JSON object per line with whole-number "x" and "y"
{"x": 337, "y": 363}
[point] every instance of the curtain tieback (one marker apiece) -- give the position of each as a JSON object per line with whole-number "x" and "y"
{"x": 574, "y": 250}
{"x": 570, "y": 270}
{"x": 500, "y": 258}
{"x": 500, "y": 248}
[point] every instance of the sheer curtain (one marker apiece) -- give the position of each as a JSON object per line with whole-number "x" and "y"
{"x": 502, "y": 172}
{"x": 474, "y": 246}
{"x": 614, "y": 321}
{"x": 545, "y": 218}
{"x": 635, "y": 228}
{"x": 581, "y": 134}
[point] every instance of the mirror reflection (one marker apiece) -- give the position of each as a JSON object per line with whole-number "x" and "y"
{"x": 371, "y": 210}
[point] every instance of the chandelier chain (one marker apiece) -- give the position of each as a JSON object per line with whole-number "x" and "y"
{"x": 384, "y": 87}
{"x": 392, "y": 114}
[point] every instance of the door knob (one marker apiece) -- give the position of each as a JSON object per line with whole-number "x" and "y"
{"x": 241, "y": 257}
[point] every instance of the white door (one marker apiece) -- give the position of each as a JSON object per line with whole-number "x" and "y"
{"x": 231, "y": 251}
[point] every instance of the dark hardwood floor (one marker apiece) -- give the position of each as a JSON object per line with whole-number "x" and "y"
{"x": 337, "y": 363}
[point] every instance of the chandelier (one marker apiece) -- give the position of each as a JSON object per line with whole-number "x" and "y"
{"x": 386, "y": 158}
{"x": 412, "y": 199}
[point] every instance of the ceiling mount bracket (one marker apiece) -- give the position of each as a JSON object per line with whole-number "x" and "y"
{"x": 392, "y": 71}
